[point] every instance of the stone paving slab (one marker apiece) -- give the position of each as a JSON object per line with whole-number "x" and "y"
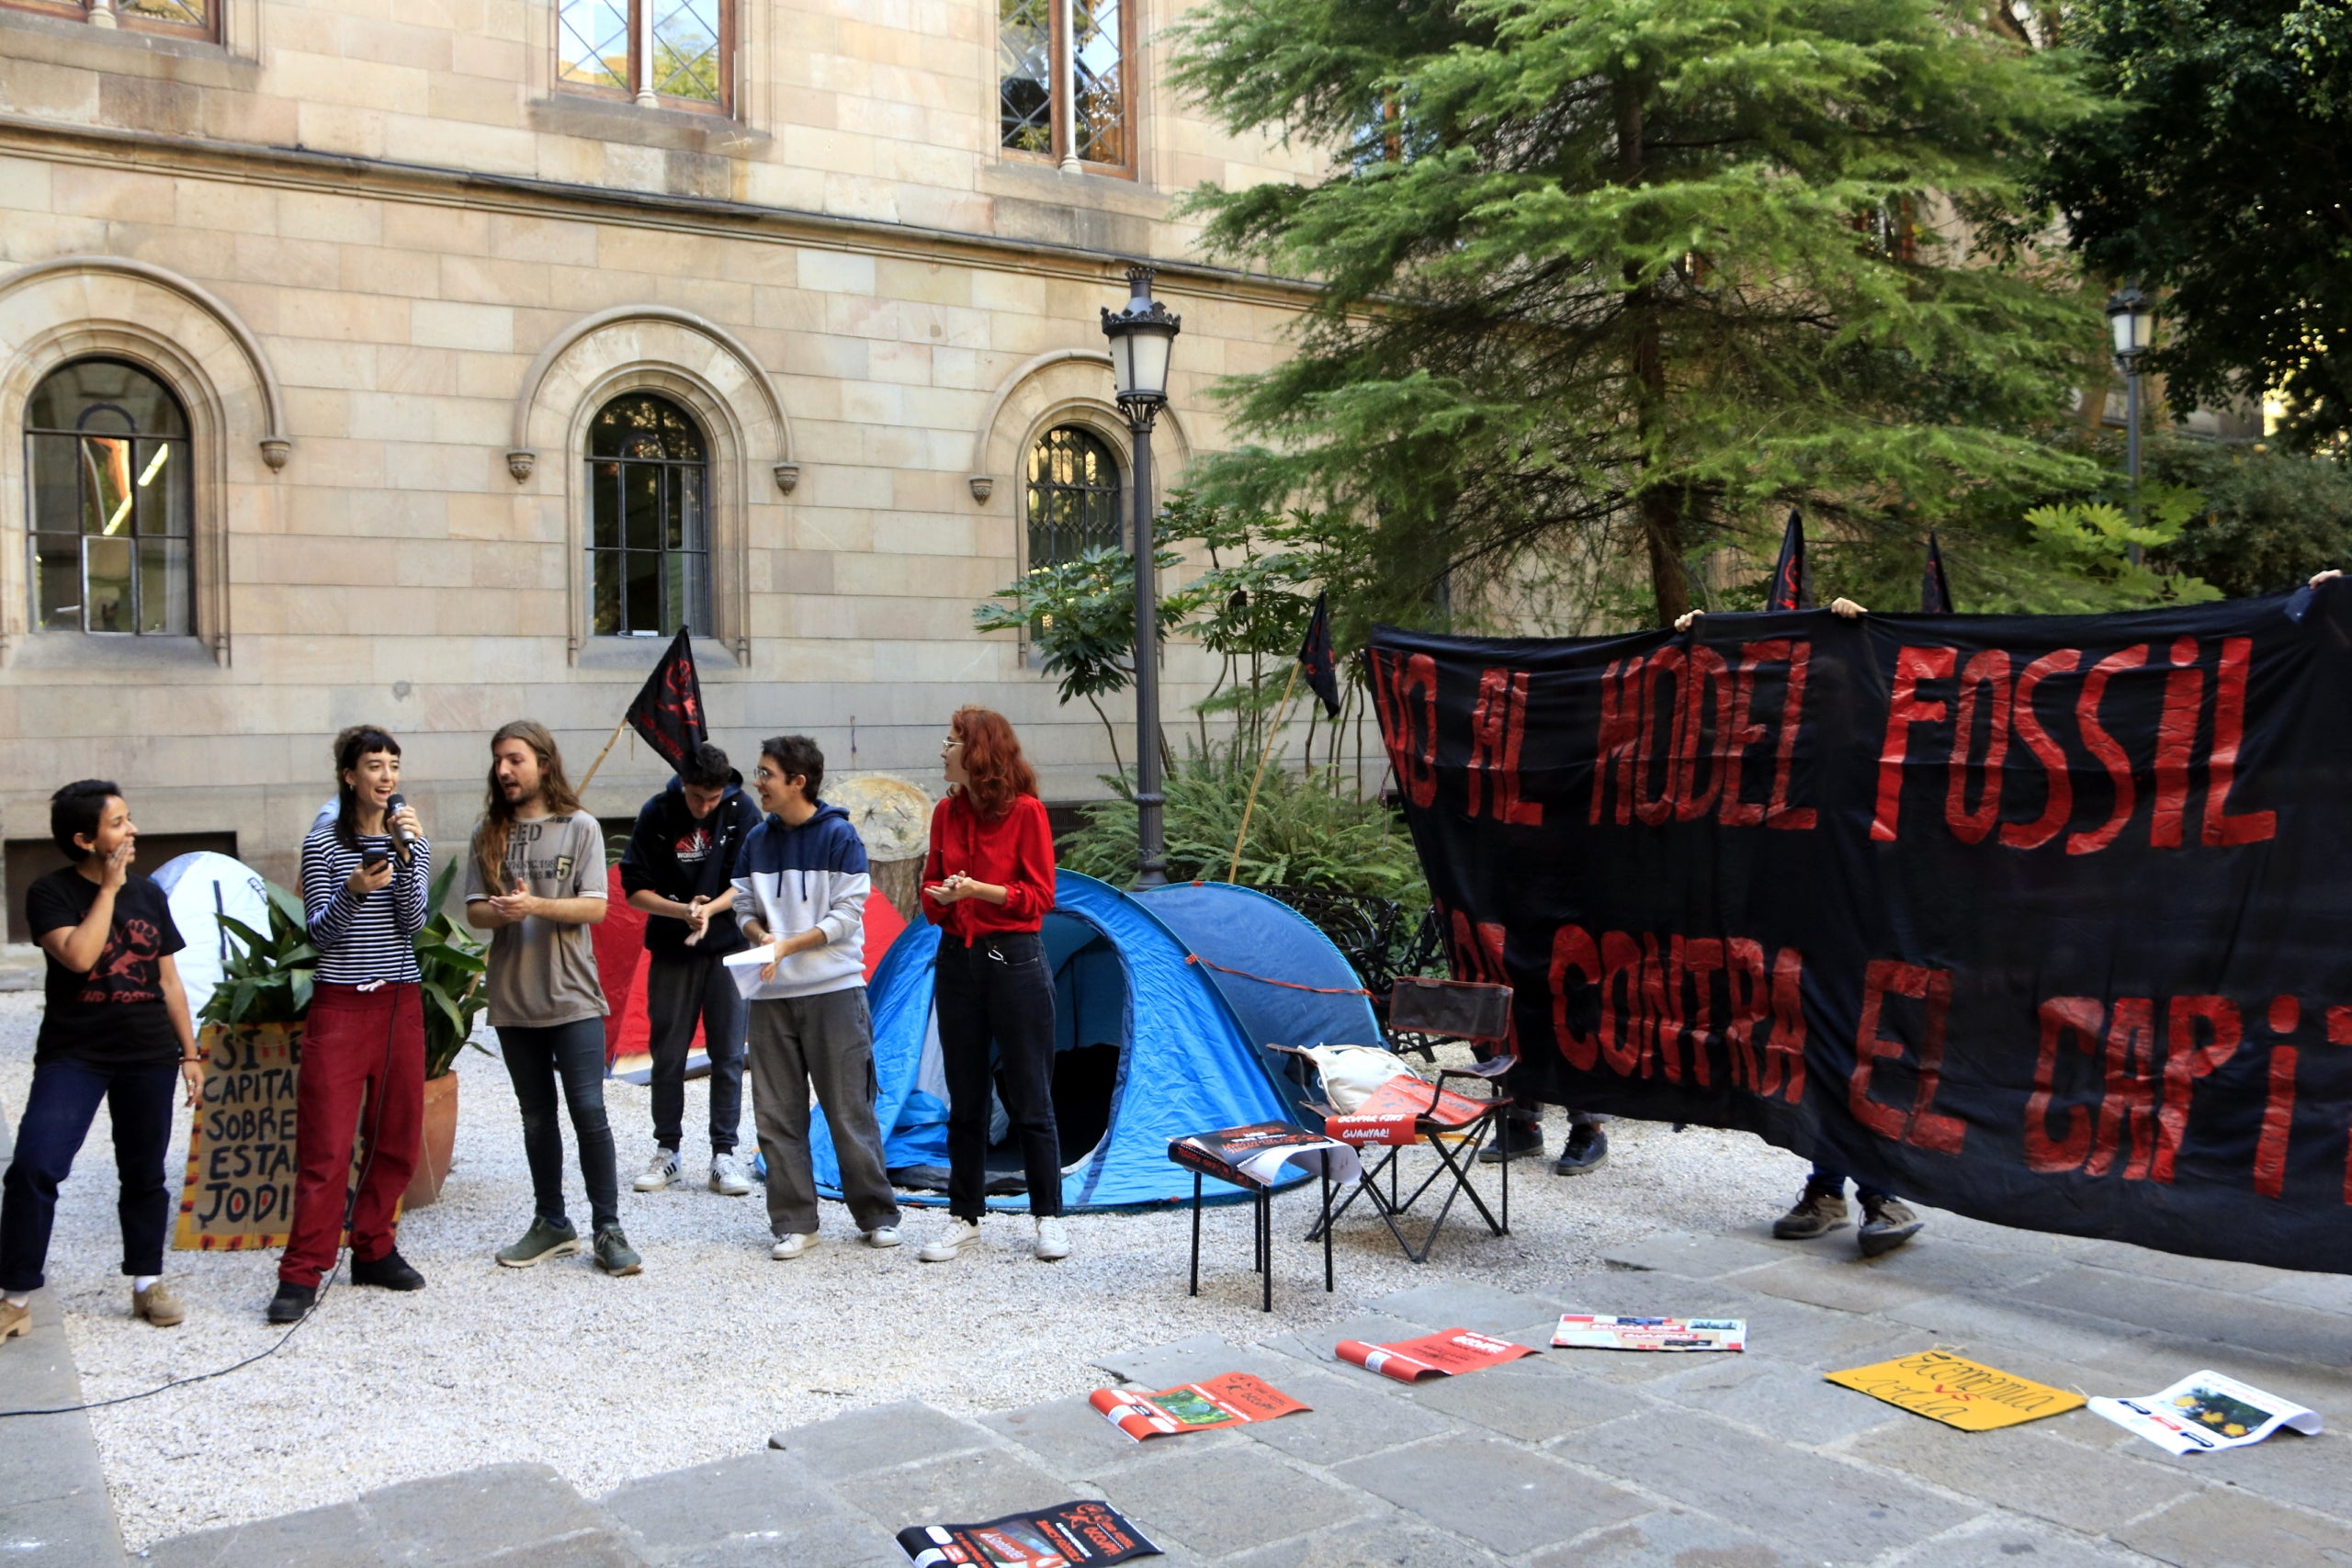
{"x": 762, "y": 1501}
{"x": 2188, "y": 1312}
{"x": 1677, "y": 1536}
{"x": 1393, "y": 1543}
{"x": 1224, "y": 1502}
{"x": 2220, "y": 1529}
{"x": 1693, "y": 1256}
{"x": 887, "y": 1434}
{"x": 1501, "y": 1496}
{"x": 1778, "y": 1397}
{"x": 2029, "y": 1472}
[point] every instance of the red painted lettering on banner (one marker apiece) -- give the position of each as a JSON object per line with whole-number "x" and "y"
{"x": 1923, "y": 1125}
{"x": 1989, "y": 671}
{"x": 1784, "y": 1049}
{"x": 1621, "y": 1027}
{"x": 2221, "y": 764}
{"x": 2102, "y": 746}
{"x": 1699, "y": 958}
{"x": 1650, "y": 811}
{"x": 1740, "y": 731}
{"x": 1750, "y": 1006}
{"x": 2186, "y": 1061}
{"x": 2129, "y": 1106}
{"x": 1706, "y": 685}
{"x": 1661, "y": 1006}
{"x": 1905, "y": 708}
{"x": 1778, "y": 813}
{"x": 1406, "y": 701}
{"x": 1573, "y": 953}
{"x": 1498, "y": 727}
{"x": 2278, "y": 1119}
{"x": 2176, "y": 742}
{"x": 2059, "y": 803}
{"x": 2060, "y": 1016}
{"x": 2339, "y": 1033}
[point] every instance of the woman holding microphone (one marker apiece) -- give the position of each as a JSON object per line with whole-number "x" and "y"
{"x": 364, "y": 881}
{"x": 988, "y": 883}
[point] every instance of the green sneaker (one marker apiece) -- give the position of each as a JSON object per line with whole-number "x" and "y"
{"x": 541, "y": 1242}
{"x": 615, "y": 1255}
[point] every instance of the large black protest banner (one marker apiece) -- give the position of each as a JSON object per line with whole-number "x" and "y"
{"x": 2044, "y": 919}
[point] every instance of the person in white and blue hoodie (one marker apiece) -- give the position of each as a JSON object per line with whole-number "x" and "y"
{"x": 800, "y": 888}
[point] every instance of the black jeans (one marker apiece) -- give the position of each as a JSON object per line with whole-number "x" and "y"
{"x": 1835, "y": 1181}
{"x": 996, "y": 993}
{"x": 574, "y": 1052}
{"x": 679, "y": 991}
{"x": 58, "y": 1111}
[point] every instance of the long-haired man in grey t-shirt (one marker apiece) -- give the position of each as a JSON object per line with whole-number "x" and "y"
{"x": 536, "y": 880}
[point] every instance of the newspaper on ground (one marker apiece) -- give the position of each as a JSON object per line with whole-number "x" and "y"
{"x": 1943, "y": 1387}
{"x": 2205, "y": 1411}
{"x": 1254, "y": 1156}
{"x": 1441, "y": 1355}
{"x": 1063, "y": 1536}
{"x": 1590, "y": 1331}
{"x": 1194, "y": 1406}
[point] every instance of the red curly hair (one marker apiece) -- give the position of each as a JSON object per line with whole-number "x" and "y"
{"x": 992, "y": 760}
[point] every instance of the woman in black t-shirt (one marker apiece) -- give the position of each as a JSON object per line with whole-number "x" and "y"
{"x": 116, "y": 1029}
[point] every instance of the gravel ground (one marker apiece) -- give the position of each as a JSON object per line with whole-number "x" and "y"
{"x": 714, "y": 1346}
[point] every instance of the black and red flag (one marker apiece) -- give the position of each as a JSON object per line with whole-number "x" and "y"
{"x": 1315, "y": 659}
{"x": 1935, "y": 588}
{"x": 668, "y": 709}
{"x": 1792, "y": 578}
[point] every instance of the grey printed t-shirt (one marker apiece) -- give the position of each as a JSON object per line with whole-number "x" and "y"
{"x": 542, "y": 973}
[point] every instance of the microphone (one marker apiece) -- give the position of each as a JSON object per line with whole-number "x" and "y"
{"x": 406, "y": 840}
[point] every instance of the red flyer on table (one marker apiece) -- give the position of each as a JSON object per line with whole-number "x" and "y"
{"x": 1192, "y": 1407}
{"x": 1440, "y": 1355}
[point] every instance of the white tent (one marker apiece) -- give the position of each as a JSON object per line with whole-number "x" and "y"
{"x": 201, "y": 888}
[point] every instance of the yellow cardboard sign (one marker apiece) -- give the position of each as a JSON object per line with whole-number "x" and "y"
{"x": 1942, "y": 1387}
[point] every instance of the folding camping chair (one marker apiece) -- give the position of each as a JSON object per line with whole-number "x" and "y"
{"x": 1457, "y": 1009}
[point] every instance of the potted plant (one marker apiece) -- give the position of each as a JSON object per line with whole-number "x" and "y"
{"x": 450, "y": 963}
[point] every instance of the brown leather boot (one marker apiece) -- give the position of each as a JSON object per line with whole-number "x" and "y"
{"x": 1817, "y": 1212}
{"x": 158, "y": 1305}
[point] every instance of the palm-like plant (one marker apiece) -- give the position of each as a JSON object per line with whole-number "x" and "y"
{"x": 450, "y": 963}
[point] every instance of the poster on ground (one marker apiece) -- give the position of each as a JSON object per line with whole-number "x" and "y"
{"x": 1944, "y": 1387}
{"x": 1226, "y": 1401}
{"x": 1064, "y": 1536}
{"x": 1590, "y": 1331}
{"x": 2206, "y": 1411}
{"x": 2037, "y": 919}
{"x": 1447, "y": 1353}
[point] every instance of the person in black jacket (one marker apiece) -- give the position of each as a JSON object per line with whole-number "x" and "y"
{"x": 680, "y": 869}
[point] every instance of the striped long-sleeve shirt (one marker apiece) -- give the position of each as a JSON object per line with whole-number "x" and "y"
{"x": 363, "y": 937}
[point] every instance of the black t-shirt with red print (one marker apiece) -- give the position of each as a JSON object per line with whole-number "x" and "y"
{"x": 113, "y": 1016}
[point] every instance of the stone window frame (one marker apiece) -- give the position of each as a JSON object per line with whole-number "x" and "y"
{"x": 115, "y": 14}
{"x": 642, "y": 17}
{"x": 1121, "y": 500}
{"x": 1063, "y": 112}
{"x": 83, "y": 307}
{"x": 701, "y": 466}
{"x": 180, "y": 477}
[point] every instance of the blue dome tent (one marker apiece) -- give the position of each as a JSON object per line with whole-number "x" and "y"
{"x": 1150, "y": 1048}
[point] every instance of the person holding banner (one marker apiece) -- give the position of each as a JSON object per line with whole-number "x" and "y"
{"x": 680, "y": 869}
{"x": 114, "y": 1029}
{"x": 988, "y": 883}
{"x": 534, "y": 878}
{"x": 1887, "y": 1220}
{"x": 365, "y": 881}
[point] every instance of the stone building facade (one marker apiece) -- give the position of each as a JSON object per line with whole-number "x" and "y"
{"x": 311, "y": 309}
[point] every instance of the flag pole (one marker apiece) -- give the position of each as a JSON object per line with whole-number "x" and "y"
{"x": 1282, "y": 714}
{"x": 599, "y": 763}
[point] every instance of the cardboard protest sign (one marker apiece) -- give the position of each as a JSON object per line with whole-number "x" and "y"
{"x": 1441, "y": 1355}
{"x": 1587, "y": 1331}
{"x": 1063, "y": 1536}
{"x": 1942, "y": 1387}
{"x": 240, "y": 1189}
{"x": 1225, "y": 1400}
{"x": 2206, "y": 1411}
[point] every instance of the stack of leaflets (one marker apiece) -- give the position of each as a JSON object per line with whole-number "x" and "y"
{"x": 1060, "y": 1537}
{"x": 1440, "y": 1355}
{"x": 1254, "y": 1156}
{"x": 1393, "y": 1112}
{"x": 2206, "y": 1411}
{"x": 1194, "y": 1406}
{"x": 1587, "y": 1331}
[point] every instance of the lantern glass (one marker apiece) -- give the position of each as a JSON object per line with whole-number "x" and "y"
{"x": 2130, "y": 323}
{"x": 1145, "y": 372}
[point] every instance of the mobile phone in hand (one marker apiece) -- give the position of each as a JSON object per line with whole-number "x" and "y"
{"x": 373, "y": 860}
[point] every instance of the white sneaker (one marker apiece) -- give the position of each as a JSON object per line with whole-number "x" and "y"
{"x": 793, "y": 1245}
{"x": 881, "y": 1235}
{"x": 951, "y": 1241}
{"x": 660, "y": 1172}
{"x": 727, "y": 1177}
{"x": 1053, "y": 1241}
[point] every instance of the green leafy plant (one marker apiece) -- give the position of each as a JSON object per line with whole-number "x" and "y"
{"x": 2092, "y": 541}
{"x": 268, "y": 980}
{"x": 451, "y": 966}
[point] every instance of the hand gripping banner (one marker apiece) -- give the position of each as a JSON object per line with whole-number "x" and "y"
{"x": 2044, "y": 919}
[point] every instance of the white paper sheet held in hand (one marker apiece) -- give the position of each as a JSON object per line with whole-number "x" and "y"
{"x": 743, "y": 968}
{"x": 2205, "y": 1411}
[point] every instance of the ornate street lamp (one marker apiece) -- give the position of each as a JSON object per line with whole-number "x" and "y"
{"x": 1141, "y": 336}
{"x": 2131, "y": 322}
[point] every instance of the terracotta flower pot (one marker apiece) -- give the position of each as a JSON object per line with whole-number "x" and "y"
{"x": 438, "y": 1145}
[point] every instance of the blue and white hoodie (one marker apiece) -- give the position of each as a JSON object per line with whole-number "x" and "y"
{"x": 813, "y": 876}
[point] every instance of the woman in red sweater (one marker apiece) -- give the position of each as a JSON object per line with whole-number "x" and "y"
{"x": 988, "y": 883}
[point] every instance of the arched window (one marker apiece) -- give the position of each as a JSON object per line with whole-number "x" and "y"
{"x": 649, "y": 536}
{"x": 1073, "y": 496}
{"x": 107, "y": 450}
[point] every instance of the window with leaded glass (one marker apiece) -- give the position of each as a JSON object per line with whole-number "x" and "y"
{"x": 1062, "y": 90}
{"x": 1073, "y": 496}
{"x": 669, "y": 53}
{"x": 107, "y": 462}
{"x": 183, "y": 18}
{"x": 649, "y": 520}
